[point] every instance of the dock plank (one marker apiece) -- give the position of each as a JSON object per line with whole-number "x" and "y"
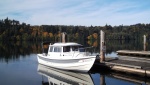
{"x": 143, "y": 65}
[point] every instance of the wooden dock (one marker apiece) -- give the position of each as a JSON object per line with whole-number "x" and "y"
{"x": 135, "y": 53}
{"x": 131, "y": 65}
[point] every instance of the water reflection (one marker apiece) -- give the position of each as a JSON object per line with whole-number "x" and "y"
{"x": 107, "y": 77}
{"x": 130, "y": 78}
{"x": 61, "y": 77}
{"x": 11, "y": 51}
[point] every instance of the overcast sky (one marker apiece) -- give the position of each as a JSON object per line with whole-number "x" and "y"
{"x": 77, "y": 12}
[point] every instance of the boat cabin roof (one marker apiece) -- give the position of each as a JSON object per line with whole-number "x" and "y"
{"x": 66, "y": 44}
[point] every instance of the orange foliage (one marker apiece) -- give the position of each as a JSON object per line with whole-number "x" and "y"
{"x": 95, "y": 44}
{"x": 45, "y": 34}
{"x": 95, "y": 35}
{"x": 90, "y": 43}
{"x": 50, "y": 34}
{"x": 33, "y": 33}
{"x": 45, "y": 46}
{"x": 59, "y": 34}
{"x": 89, "y": 37}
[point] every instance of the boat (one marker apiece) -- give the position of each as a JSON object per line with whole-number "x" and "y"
{"x": 54, "y": 76}
{"x": 67, "y": 56}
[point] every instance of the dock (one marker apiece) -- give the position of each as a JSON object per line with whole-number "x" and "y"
{"x": 127, "y": 64}
{"x": 129, "y": 61}
{"x": 133, "y": 53}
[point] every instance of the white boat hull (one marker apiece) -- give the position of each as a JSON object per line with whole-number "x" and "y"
{"x": 83, "y": 64}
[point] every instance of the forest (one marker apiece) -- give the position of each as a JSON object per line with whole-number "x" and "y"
{"x": 13, "y": 30}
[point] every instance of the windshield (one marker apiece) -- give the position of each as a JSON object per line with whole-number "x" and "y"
{"x": 78, "y": 48}
{"x": 82, "y": 49}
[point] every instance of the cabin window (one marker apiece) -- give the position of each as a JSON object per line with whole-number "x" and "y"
{"x": 66, "y": 49}
{"x": 75, "y": 48}
{"x": 51, "y": 49}
{"x": 57, "y": 49}
{"x": 82, "y": 49}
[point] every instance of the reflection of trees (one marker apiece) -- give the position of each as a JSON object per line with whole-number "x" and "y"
{"x": 115, "y": 45}
{"x": 13, "y": 50}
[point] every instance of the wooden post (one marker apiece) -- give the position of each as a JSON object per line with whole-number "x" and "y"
{"x": 63, "y": 37}
{"x": 102, "y": 46}
{"x": 144, "y": 42}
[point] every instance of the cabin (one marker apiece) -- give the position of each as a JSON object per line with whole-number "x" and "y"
{"x": 65, "y": 49}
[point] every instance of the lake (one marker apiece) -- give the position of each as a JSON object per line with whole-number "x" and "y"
{"x": 19, "y": 66}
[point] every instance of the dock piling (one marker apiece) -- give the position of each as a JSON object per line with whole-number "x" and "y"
{"x": 63, "y": 37}
{"x": 102, "y": 46}
{"x": 144, "y": 43}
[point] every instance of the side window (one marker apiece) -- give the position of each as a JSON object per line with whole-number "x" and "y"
{"x": 51, "y": 49}
{"x": 75, "y": 48}
{"x": 66, "y": 49}
{"x": 57, "y": 49}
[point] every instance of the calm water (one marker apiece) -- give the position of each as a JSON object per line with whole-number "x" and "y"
{"x": 19, "y": 66}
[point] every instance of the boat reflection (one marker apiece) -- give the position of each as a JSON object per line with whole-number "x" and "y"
{"x": 62, "y": 77}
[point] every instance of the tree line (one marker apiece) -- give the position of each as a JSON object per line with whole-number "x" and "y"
{"x": 15, "y": 31}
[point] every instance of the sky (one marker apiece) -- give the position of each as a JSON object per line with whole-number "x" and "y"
{"x": 77, "y": 12}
